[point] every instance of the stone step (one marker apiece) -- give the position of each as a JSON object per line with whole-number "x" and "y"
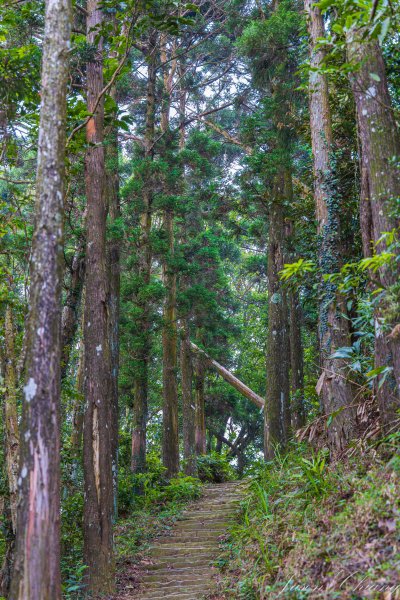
{"x": 190, "y": 536}
{"x": 207, "y": 514}
{"x": 176, "y": 575}
{"x": 172, "y": 551}
{"x": 217, "y": 524}
{"x": 179, "y": 587}
{"x": 182, "y": 560}
{"x": 163, "y": 562}
{"x": 179, "y": 593}
{"x": 183, "y": 595}
{"x": 188, "y": 571}
{"x": 221, "y": 502}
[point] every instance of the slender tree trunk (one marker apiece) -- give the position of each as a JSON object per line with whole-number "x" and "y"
{"x": 144, "y": 254}
{"x": 97, "y": 433}
{"x": 169, "y": 342}
{"x": 379, "y": 141}
{"x": 200, "y": 423}
{"x": 78, "y": 409}
{"x": 188, "y": 406}
{"x": 11, "y": 429}
{"x": 113, "y": 258}
{"x": 10, "y": 432}
{"x": 37, "y": 559}
{"x": 9, "y": 539}
{"x": 169, "y": 332}
{"x": 276, "y": 410}
{"x": 296, "y": 362}
{"x": 333, "y": 327}
{"x": 70, "y": 319}
{"x": 229, "y": 377}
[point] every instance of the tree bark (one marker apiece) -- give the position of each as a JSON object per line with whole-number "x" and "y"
{"x": 296, "y": 362}
{"x": 78, "y": 409}
{"x": 333, "y": 327}
{"x": 188, "y": 406}
{"x": 229, "y": 377}
{"x": 69, "y": 319}
{"x": 200, "y": 422}
{"x": 144, "y": 257}
{"x": 277, "y": 407}
{"x": 97, "y": 433}
{"x": 379, "y": 141}
{"x": 169, "y": 343}
{"x": 11, "y": 429}
{"x": 113, "y": 259}
{"x": 8, "y": 559}
{"x": 37, "y": 564}
{"x": 169, "y": 331}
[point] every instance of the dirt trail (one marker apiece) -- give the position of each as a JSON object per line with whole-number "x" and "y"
{"x": 181, "y": 566}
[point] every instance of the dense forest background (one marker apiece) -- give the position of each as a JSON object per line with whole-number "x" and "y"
{"x": 199, "y": 280}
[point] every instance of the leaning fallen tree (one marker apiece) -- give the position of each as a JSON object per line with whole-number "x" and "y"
{"x": 229, "y": 377}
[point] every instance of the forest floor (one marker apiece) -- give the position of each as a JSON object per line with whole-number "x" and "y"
{"x": 179, "y": 564}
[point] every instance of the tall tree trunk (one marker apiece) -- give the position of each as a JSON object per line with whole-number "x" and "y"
{"x": 113, "y": 258}
{"x": 144, "y": 257}
{"x": 333, "y": 327}
{"x": 169, "y": 331}
{"x": 200, "y": 422}
{"x": 69, "y": 319}
{"x": 11, "y": 429}
{"x": 37, "y": 563}
{"x": 78, "y": 408}
{"x": 188, "y": 406}
{"x": 8, "y": 558}
{"x": 169, "y": 343}
{"x": 277, "y": 408}
{"x": 380, "y": 189}
{"x": 11, "y": 450}
{"x": 296, "y": 362}
{"x": 97, "y": 433}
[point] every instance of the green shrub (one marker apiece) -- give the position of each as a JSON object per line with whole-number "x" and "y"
{"x": 152, "y": 487}
{"x": 72, "y": 543}
{"x": 214, "y": 468}
{"x": 182, "y": 489}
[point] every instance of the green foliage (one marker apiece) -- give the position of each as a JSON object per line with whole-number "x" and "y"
{"x": 151, "y": 488}
{"x": 182, "y": 489}
{"x": 303, "y": 519}
{"x": 214, "y": 468}
{"x": 297, "y": 271}
{"x": 271, "y": 44}
{"x": 72, "y": 544}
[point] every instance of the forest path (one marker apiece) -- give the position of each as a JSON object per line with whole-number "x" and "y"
{"x": 181, "y": 566}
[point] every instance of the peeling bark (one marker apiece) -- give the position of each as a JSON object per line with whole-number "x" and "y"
{"x": 11, "y": 429}
{"x": 188, "y": 406}
{"x": 277, "y": 403}
{"x": 114, "y": 267}
{"x": 296, "y": 363}
{"x": 200, "y": 422}
{"x": 70, "y": 319}
{"x": 37, "y": 566}
{"x": 144, "y": 257}
{"x": 379, "y": 139}
{"x": 97, "y": 430}
{"x": 169, "y": 330}
{"x": 333, "y": 328}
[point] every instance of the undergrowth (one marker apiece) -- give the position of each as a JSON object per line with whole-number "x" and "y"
{"x": 148, "y": 504}
{"x": 311, "y": 529}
